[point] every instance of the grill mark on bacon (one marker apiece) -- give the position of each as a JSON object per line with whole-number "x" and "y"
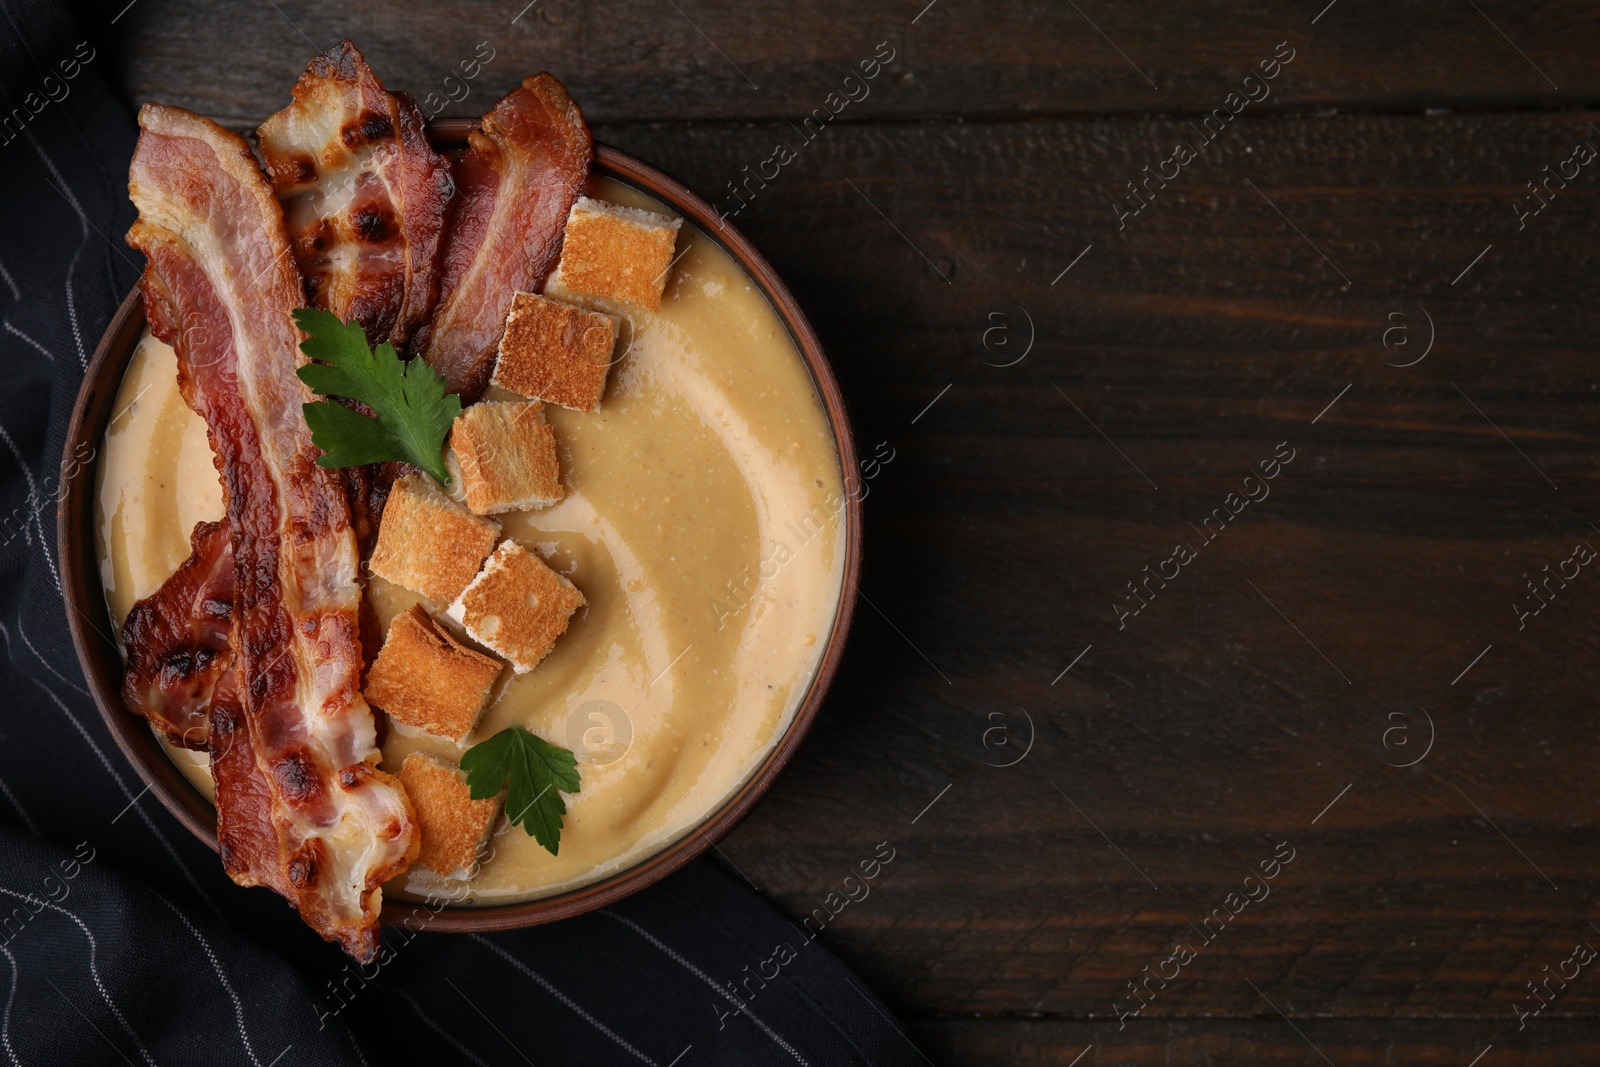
{"x": 177, "y": 640}
{"x": 515, "y": 185}
{"x": 370, "y": 126}
{"x": 288, "y": 719}
{"x": 303, "y": 867}
{"x": 296, "y": 774}
{"x": 364, "y": 195}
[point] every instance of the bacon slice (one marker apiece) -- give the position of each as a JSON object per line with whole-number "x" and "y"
{"x": 177, "y": 640}
{"x": 515, "y": 184}
{"x": 248, "y": 838}
{"x": 363, "y": 193}
{"x": 298, "y": 775}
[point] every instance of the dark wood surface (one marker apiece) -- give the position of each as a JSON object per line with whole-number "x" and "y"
{"x": 1301, "y": 654}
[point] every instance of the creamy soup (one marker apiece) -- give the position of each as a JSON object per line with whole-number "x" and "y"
{"x": 703, "y": 521}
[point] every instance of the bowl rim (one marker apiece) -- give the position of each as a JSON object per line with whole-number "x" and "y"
{"x": 101, "y": 661}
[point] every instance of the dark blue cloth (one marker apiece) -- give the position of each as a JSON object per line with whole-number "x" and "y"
{"x": 122, "y": 939}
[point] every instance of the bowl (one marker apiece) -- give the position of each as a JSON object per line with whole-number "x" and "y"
{"x": 89, "y": 618}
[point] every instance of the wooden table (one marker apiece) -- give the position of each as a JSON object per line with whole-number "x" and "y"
{"x": 1348, "y": 272}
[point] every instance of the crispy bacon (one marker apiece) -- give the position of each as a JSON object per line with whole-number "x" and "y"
{"x": 177, "y": 640}
{"x": 301, "y": 805}
{"x": 515, "y": 184}
{"x": 363, "y": 193}
{"x": 249, "y": 838}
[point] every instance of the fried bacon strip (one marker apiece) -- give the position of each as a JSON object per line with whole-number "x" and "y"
{"x": 363, "y": 193}
{"x": 301, "y": 805}
{"x": 177, "y": 640}
{"x": 515, "y": 184}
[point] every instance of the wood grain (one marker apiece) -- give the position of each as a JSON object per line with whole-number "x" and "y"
{"x": 1209, "y": 729}
{"x": 1266, "y": 1042}
{"x": 645, "y": 61}
{"x": 1245, "y": 306}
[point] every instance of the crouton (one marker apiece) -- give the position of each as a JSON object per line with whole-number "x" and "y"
{"x": 516, "y": 606}
{"x": 428, "y": 543}
{"x": 507, "y": 455}
{"x": 555, "y": 352}
{"x": 453, "y": 827}
{"x": 615, "y": 254}
{"x": 425, "y": 678}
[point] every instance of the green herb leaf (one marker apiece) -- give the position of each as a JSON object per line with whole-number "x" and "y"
{"x": 414, "y": 413}
{"x": 531, "y": 770}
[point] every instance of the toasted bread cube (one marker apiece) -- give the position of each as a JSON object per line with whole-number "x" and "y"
{"x": 517, "y": 606}
{"x": 507, "y": 455}
{"x": 555, "y": 352}
{"x": 428, "y": 543}
{"x": 453, "y": 826}
{"x": 425, "y": 678}
{"x": 615, "y": 254}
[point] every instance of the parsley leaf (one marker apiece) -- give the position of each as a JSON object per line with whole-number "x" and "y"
{"x": 413, "y": 412}
{"x": 531, "y": 770}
